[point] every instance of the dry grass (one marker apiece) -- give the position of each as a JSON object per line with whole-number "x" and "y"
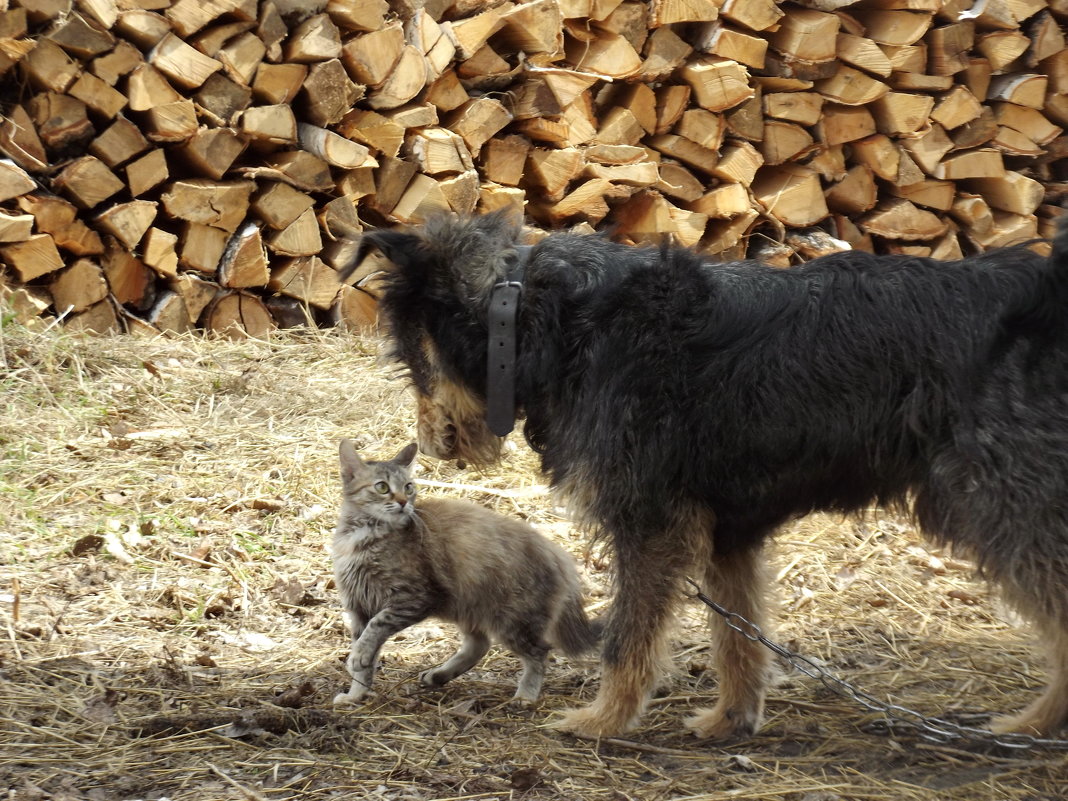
{"x": 169, "y": 628}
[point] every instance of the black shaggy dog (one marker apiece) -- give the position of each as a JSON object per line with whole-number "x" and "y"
{"x": 688, "y": 409}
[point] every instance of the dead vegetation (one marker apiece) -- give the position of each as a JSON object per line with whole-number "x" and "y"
{"x": 169, "y": 628}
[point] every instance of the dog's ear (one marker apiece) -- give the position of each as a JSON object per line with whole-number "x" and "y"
{"x": 400, "y": 247}
{"x": 475, "y": 250}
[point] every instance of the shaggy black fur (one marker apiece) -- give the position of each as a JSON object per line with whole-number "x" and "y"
{"x": 661, "y": 391}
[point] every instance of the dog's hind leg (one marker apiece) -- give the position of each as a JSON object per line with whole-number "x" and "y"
{"x": 1049, "y": 712}
{"x": 633, "y": 655}
{"x": 1004, "y": 508}
{"x": 737, "y": 582}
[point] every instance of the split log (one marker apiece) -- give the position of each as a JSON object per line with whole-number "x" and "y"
{"x": 356, "y": 310}
{"x": 20, "y": 142}
{"x": 15, "y": 227}
{"x": 170, "y": 314}
{"x": 97, "y": 319}
{"x": 59, "y": 218}
{"x": 211, "y": 151}
{"x": 184, "y": 65}
{"x": 199, "y": 150}
{"x": 87, "y": 181}
{"x": 222, "y": 204}
{"x": 900, "y": 219}
{"x": 120, "y": 142}
{"x": 61, "y": 122}
{"x": 147, "y": 172}
{"x": 14, "y": 181}
{"x": 791, "y": 194}
{"x": 131, "y": 281}
{"x": 32, "y": 257}
{"x": 717, "y": 85}
{"x": 78, "y": 287}
{"x": 238, "y": 315}
{"x": 300, "y": 238}
{"x": 128, "y": 222}
{"x": 160, "y": 252}
{"x": 200, "y": 247}
{"x": 307, "y": 279}
{"x": 244, "y": 263}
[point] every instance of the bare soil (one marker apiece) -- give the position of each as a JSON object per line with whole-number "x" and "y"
{"x": 169, "y": 627}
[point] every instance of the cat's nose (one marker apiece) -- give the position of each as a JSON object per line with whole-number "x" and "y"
{"x": 401, "y": 502}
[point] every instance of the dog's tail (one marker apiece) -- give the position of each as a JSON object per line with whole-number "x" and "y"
{"x": 574, "y": 633}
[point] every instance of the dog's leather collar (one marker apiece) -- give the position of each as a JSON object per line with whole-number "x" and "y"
{"x": 501, "y": 352}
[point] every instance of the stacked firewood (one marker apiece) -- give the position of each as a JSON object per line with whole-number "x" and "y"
{"x": 178, "y": 163}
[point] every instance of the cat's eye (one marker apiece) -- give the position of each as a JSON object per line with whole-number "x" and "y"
{"x": 382, "y": 487}
{"x": 409, "y": 488}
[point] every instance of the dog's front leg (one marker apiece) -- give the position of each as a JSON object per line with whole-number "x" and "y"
{"x": 633, "y": 655}
{"x": 737, "y": 582}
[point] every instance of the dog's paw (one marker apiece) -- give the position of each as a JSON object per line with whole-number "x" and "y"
{"x": 723, "y": 723}
{"x": 1022, "y": 723}
{"x": 594, "y": 721}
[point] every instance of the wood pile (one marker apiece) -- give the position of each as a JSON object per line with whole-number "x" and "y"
{"x": 170, "y": 164}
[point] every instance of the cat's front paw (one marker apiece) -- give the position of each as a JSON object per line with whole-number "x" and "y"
{"x": 348, "y": 699}
{"x": 522, "y": 702}
{"x": 353, "y": 697}
{"x": 433, "y": 677}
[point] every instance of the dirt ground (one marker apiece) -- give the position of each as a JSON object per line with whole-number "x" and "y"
{"x": 169, "y": 627}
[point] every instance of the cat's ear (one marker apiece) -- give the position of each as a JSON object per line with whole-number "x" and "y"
{"x": 407, "y": 456}
{"x": 351, "y": 463}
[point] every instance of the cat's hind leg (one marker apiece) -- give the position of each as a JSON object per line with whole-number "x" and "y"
{"x": 532, "y": 650}
{"x": 530, "y": 680}
{"x": 472, "y": 648}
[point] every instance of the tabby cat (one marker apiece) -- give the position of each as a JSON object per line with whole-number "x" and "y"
{"x": 495, "y": 577}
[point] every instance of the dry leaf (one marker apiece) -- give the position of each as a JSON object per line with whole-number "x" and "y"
{"x": 90, "y": 543}
{"x": 964, "y": 596}
{"x": 525, "y": 779}
{"x": 293, "y": 697}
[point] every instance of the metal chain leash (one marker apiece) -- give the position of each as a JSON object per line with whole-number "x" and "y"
{"x": 896, "y": 716}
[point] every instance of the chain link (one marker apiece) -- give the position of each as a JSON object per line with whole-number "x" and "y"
{"x": 895, "y": 716}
